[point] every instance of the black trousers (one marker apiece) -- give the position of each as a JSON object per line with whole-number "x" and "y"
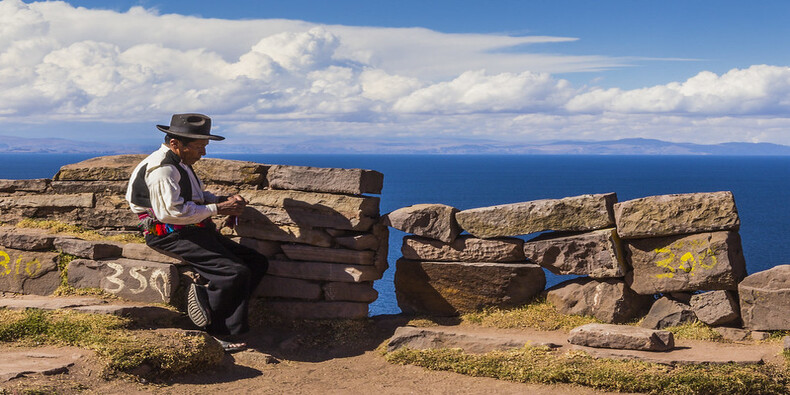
{"x": 233, "y": 272}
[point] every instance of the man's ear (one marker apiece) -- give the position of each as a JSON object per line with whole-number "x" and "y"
{"x": 173, "y": 143}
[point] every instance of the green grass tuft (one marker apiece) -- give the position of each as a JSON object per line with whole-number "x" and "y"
{"x": 77, "y": 231}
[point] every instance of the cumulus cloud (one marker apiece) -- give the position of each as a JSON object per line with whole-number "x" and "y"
{"x": 260, "y": 77}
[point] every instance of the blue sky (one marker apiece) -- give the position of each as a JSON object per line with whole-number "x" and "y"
{"x": 383, "y": 71}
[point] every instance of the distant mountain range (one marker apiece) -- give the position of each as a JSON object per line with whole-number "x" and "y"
{"x": 333, "y": 145}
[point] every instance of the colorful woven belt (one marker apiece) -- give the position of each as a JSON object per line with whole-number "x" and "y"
{"x": 150, "y": 225}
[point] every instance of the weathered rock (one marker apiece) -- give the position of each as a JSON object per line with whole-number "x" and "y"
{"x": 449, "y": 288}
{"x": 290, "y": 234}
{"x": 300, "y": 252}
{"x": 609, "y": 300}
{"x": 35, "y": 185}
{"x": 323, "y": 271}
{"x": 598, "y": 254}
{"x": 434, "y": 221}
{"x": 624, "y": 337}
{"x": 466, "y": 248}
{"x": 48, "y": 200}
{"x": 266, "y": 248}
{"x": 326, "y": 203}
{"x": 733, "y": 334}
{"x": 14, "y": 364}
{"x": 225, "y": 171}
{"x": 28, "y": 272}
{"x": 101, "y": 187}
{"x": 759, "y": 335}
{"x": 23, "y": 302}
{"x": 295, "y": 216}
{"x": 715, "y": 307}
{"x": 282, "y": 287}
{"x": 382, "y": 233}
{"x": 786, "y": 343}
{"x": 143, "y": 252}
{"x": 106, "y": 168}
{"x": 302, "y": 178}
{"x": 87, "y": 249}
{"x": 318, "y": 310}
{"x": 765, "y": 299}
{"x": 451, "y": 337}
{"x": 104, "y": 218}
{"x": 703, "y": 261}
{"x": 667, "y": 215}
{"x": 25, "y": 239}
{"x": 351, "y": 292}
{"x": 359, "y": 242}
{"x": 140, "y": 281}
{"x": 578, "y": 213}
{"x": 666, "y": 312}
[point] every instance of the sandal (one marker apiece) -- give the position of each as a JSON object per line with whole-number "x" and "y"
{"x": 197, "y": 306}
{"x": 229, "y": 346}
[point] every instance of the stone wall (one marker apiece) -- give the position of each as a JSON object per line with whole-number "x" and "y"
{"x": 682, "y": 249}
{"x": 319, "y": 228}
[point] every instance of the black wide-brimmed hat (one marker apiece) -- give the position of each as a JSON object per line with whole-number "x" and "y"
{"x": 193, "y": 126}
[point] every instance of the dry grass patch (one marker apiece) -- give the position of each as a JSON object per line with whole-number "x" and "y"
{"x": 156, "y": 353}
{"x": 540, "y": 315}
{"x": 543, "y": 366}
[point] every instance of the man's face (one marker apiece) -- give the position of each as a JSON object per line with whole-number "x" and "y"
{"x": 189, "y": 153}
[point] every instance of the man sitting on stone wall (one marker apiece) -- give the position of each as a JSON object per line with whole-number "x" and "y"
{"x": 175, "y": 214}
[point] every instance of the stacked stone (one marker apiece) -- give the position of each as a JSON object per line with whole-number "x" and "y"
{"x": 582, "y": 241}
{"x": 682, "y": 244}
{"x": 445, "y": 273}
{"x": 33, "y": 261}
{"x": 319, "y": 229}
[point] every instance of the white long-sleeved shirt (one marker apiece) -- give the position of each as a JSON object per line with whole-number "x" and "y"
{"x": 165, "y": 192}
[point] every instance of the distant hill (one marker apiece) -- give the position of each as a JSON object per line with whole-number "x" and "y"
{"x": 334, "y": 145}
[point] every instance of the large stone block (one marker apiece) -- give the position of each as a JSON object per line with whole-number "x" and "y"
{"x": 609, "y": 300}
{"x": 299, "y": 252}
{"x": 290, "y": 234}
{"x": 466, "y": 248}
{"x": 358, "y": 242}
{"x": 48, "y": 200}
{"x": 703, "y": 261}
{"x": 715, "y": 307}
{"x": 25, "y": 239}
{"x": 35, "y": 185}
{"x": 87, "y": 248}
{"x": 28, "y": 272}
{"x": 143, "y": 252}
{"x": 667, "y": 215}
{"x": 302, "y": 178}
{"x": 140, "y": 281}
{"x": 323, "y": 271}
{"x": 765, "y": 299}
{"x": 434, "y": 221}
{"x": 577, "y": 213}
{"x": 268, "y": 249}
{"x": 225, "y": 171}
{"x": 299, "y": 216}
{"x": 292, "y": 288}
{"x": 349, "y": 206}
{"x": 666, "y": 312}
{"x": 317, "y": 310}
{"x": 107, "y": 168}
{"x": 598, "y": 254}
{"x": 351, "y": 292}
{"x": 100, "y": 187}
{"x": 449, "y": 288}
{"x": 624, "y": 337}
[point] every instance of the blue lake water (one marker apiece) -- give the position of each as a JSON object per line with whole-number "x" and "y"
{"x": 761, "y": 186}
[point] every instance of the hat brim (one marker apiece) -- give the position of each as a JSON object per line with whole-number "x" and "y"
{"x": 166, "y": 129}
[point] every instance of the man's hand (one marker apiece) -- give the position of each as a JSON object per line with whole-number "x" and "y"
{"x": 233, "y": 206}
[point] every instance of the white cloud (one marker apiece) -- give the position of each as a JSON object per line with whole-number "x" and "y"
{"x": 58, "y": 62}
